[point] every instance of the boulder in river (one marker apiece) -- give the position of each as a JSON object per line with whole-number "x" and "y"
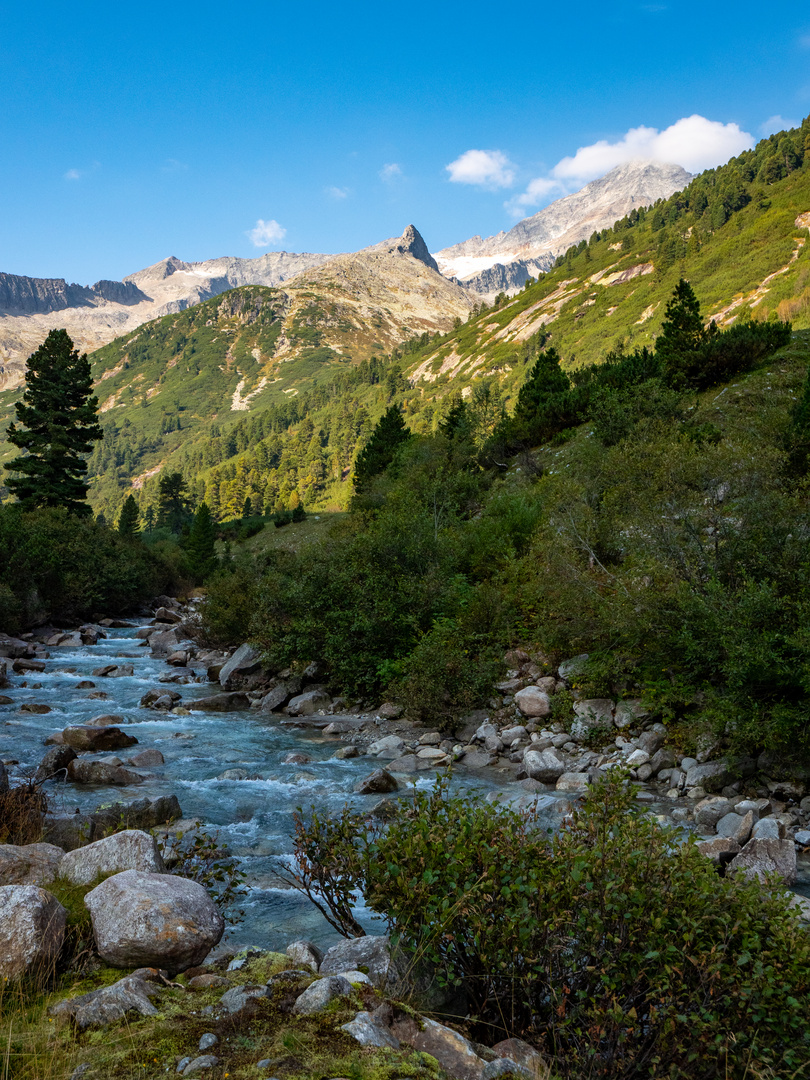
{"x": 96, "y": 739}
{"x": 3, "y": 673}
{"x": 32, "y": 930}
{"x": 235, "y": 701}
{"x": 308, "y": 703}
{"x": 153, "y": 919}
{"x": 128, "y": 850}
{"x": 164, "y": 642}
{"x": 379, "y": 782}
{"x": 547, "y": 765}
{"x": 82, "y": 771}
{"x": 160, "y": 699}
{"x": 245, "y": 661}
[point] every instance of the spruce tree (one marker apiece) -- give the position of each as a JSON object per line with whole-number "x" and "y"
{"x": 128, "y": 523}
{"x": 378, "y": 453}
{"x": 200, "y": 544}
{"x": 174, "y": 508}
{"x": 682, "y": 334}
{"x": 545, "y": 380}
{"x": 58, "y": 415}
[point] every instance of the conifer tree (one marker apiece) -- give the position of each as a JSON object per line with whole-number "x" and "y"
{"x": 128, "y": 523}
{"x": 682, "y": 333}
{"x": 200, "y": 544}
{"x": 378, "y": 453}
{"x": 173, "y": 503}
{"x": 545, "y": 380}
{"x": 58, "y": 418}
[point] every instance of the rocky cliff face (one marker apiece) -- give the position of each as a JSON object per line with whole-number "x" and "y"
{"x": 94, "y": 315}
{"x": 540, "y": 238}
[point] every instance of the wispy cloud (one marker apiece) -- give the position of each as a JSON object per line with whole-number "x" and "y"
{"x": 693, "y": 142}
{"x": 266, "y": 233}
{"x": 804, "y": 41}
{"x": 172, "y": 165}
{"x": 485, "y": 168}
{"x": 337, "y": 193}
{"x": 73, "y": 174}
{"x": 390, "y": 171}
{"x": 777, "y": 123}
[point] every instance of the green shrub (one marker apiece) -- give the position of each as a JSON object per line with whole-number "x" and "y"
{"x": 611, "y": 946}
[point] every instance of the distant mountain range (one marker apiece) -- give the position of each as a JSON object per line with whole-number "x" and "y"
{"x": 503, "y": 262}
{"x": 95, "y": 315}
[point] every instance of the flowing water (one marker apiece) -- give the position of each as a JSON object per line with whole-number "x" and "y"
{"x": 253, "y": 817}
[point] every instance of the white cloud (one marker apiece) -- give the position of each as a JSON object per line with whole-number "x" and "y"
{"x": 487, "y": 168}
{"x": 390, "y": 171}
{"x": 266, "y": 233}
{"x": 777, "y": 123}
{"x": 172, "y": 165}
{"x": 337, "y": 192}
{"x": 693, "y": 142}
{"x": 72, "y": 174}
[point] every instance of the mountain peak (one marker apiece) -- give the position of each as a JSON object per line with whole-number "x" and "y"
{"x": 410, "y": 243}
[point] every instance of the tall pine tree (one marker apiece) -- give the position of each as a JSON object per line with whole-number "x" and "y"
{"x": 58, "y": 418}
{"x": 200, "y": 544}
{"x": 128, "y": 523}
{"x": 378, "y": 453}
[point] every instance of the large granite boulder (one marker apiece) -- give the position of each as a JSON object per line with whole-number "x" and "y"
{"x": 308, "y": 703}
{"x": 760, "y": 858}
{"x": 29, "y": 864}
{"x": 154, "y": 920}
{"x": 32, "y": 930}
{"x": 378, "y": 782}
{"x": 245, "y": 661}
{"x": 320, "y": 993}
{"x": 129, "y": 850}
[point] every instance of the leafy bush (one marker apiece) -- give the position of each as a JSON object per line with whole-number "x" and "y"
{"x": 611, "y": 946}
{"x": 60, "y": 567}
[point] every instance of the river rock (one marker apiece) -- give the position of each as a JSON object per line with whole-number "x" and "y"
{"x": 96, "y": 739}
{"x": 761, "y": 857}
{"x": 662, "y": 759}
{"x": 768, "y": 828}
{"x": 533, "y": 702}
{"x": 308, "y": 703}
{"x": 129, "y": 850}
{"x": 547, "y": 766}
{"x": 147, "y": 759}
{"x": 720, "y": 849}
{"x": 35, "y": 707}
{"x": 54, "y": 764}
{"x": 23, "y": 667}
{"x": 368, "y": 1031}
{"x": 589, "y": 714}
{"x": 160, "y": 699}
{"x": 29, "y": 864}
{"x": 67, "y": 831}
{"x": 164, "y": 614}
{"x": 711, "y": 809}
{"x": 320, "y": 993}
{"x": 245, "y": 661}
{"x": 522, "y": 1054}
{"x": 573, "y": 782}
{"x": 99, "y": 1008}
{"x": 234, "y": 701}
{"x": 3, "y": 779}
{"x": 713, "y": 776}
{"x": 153, "y": 919}
{"x": 32, "y": 930}
{"x": 141, "y": 814}
{"x": 3, "y": 673}
{"x": 371, "y": 953}
{"x": 82, "y": 771}
{"x": 106, "y": 720}
{"x": 379, "y": 782}
{"x": 454, "y": 1053}
{"x": 736, "y": 827}
{"x": 305, "y": 955}
{"x": 163, "y": 643}
{"x": 275, "y": 697}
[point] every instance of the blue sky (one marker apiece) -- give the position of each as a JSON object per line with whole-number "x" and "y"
{"x": 133, "y": 132}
